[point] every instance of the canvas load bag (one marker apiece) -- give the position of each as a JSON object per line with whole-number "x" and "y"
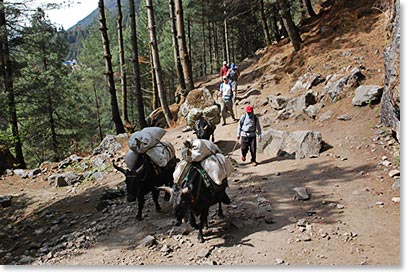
{"x": 131, "y": 159}
{"x": 218, "y": 167}
{"x": 141, "y": 141}
{"x": 180, "y": 172}
{"x": 161, "y": 153}
{"x": 198, "y": 149}
{"x": 212, "y": 114}
{"x": 192, "y": 116}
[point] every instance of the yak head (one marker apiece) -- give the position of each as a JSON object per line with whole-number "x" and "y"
{"x": 181, "y": 200}
{"x": 133, "y": 181}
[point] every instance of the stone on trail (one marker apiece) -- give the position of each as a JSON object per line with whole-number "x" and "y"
{"x": 296, "y": 144}
{"x": 394, "y": 173}
{"x": 396, "y": 199}
{"x": 5, "y": 201}
{"x": 301, "y": 193}
{"x": 147, "y": 241}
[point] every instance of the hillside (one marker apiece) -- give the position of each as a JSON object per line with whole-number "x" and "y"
{"x": 351, "y": 218}
{"x": 78, "y": 32}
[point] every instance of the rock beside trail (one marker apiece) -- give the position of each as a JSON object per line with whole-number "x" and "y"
{"x": 64, "y": 179}
{"x": 291, "y": 145}
{"x": 277, "y": 102}
{"x": 111, "y": 144}
{"x": 367, "y": 94}
{"x": 337, "y": 85}
{"x": 306, "y": 81}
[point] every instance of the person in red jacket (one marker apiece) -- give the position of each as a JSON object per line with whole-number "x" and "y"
{"x": 224, "y": 70}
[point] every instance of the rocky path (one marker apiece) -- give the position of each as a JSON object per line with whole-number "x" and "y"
{"x": 351, "y": 217}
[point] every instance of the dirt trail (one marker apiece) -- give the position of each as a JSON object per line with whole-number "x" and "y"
{"x": 350, "y": 218}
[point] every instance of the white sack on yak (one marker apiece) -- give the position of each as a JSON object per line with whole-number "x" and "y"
{"x": 161, "y": 153}
{"x": 198, "y": 149}
{"x": 141, "y": 141}
{"x": 180, "y": 172}
{"x": 218, "y": 167}
{"x": 131, "y": 159}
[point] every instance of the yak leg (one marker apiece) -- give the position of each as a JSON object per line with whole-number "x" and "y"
{"x": 204, "y": 220}
{"x": 156, "y": 193}
{"x": 220, "y": 211}
{"x": 192, "y": 220}
{"x": 139, "y": 215}
{"x": 213, "y": 137}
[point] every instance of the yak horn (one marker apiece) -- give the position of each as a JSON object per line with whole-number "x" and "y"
{"x": 185, "y": 190}
{"x": 138, "y": 171}
{"x": 166, "y": 189}
{"x": 118, "y": 168}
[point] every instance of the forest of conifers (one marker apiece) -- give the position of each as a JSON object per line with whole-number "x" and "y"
{"x": 139, "y": 56}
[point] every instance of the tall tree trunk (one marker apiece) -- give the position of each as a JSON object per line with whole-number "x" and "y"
{"x": 123, "y": 76}
{"x": 155, "y": 104}
{"x": 216, "y": 44}
{"x": 203, "y": 38}
{"x": 264, "y": 23}
{"x": 302, "y": 9}
{"x": 189, "y": 39}
{"x": 283, "y": 31}
{"x": 309, "y": 8}
{"x": 210, "y": 48}
{"x": 109, "y": 69}
{"x": 289, "y": 25}
{"x": 97, "y": 113}
{"x": 185, "y": 58}
{"x": 50, "y": 110}
{"x": 156, "y": 62}
{"x": 177, "y": 58}
{"x": 136, "y": 68}
{"x": 226, "y": 33}
{"x": 277, "y": 35}
{"x": 7, "y": 73}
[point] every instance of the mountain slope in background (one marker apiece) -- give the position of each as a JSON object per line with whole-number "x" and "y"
{"x": 79, "y": 31}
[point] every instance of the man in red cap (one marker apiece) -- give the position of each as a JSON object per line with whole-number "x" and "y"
{"x": 248, "y": 129}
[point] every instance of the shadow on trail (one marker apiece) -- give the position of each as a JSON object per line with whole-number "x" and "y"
{"x": 260, "y": 203}
{"x": 253, "y": 196}
{"x": 227, "y": 146}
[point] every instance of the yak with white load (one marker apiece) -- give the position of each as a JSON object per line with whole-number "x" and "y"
{"x": 151, "y": 164}
{"x": 195, "y": 189}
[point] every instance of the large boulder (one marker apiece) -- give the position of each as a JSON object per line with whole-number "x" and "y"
{"x": 337, "y": 85}
{"x": 277, "y": 102}
{"x": 292, "y": 145}
{"x": 390, "y": 104}
{"x": 306, "y": 82}
{"x": 367, "y": 94}
{"x": 298, "y": 105}
{"x": 198, "y": 98}
{"x": 64, "y": 179}
{"x": 110, "y": 144}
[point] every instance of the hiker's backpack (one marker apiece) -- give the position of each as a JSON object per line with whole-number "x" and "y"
{"x": 233, "y": 75}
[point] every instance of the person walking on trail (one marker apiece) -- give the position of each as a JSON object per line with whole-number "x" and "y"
{"x": 249, "y": 127}
{"x": 233, "y": 75}
{"x": 226, "y": 104}
{"x": 224, "y": 70}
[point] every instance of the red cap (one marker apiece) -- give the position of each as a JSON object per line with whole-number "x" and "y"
{"x": 249, "y": 108}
